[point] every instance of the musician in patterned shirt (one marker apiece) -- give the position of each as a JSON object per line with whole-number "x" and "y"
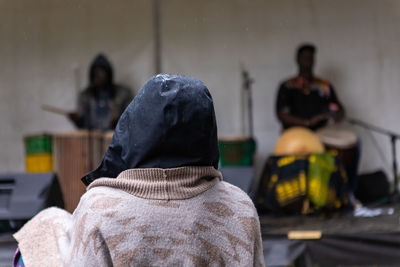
{"x": 307, "y": 100}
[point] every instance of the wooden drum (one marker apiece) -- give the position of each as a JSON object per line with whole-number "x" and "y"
{"x": 341, "y": 139}
{"x": 75, "y": 154}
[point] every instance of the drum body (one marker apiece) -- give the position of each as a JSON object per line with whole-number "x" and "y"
{"x": 348, "y": 156}
{"x": 76, "y": 154}
{"x": 302, "y": 184}
{"x": 341, "y": 140}
{"x": 236, "y": 151}
{"x": 38, "y": 153}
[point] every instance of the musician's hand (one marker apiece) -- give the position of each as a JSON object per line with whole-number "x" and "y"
{"x": 73, "y": 116}
{"x": 337, "y": 112}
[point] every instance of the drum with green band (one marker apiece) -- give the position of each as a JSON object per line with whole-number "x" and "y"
{"x": 38, "y": 153}
{"x": 236, "y": 151}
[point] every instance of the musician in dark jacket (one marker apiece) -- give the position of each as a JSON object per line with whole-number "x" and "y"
{"x": 101, "y": 104}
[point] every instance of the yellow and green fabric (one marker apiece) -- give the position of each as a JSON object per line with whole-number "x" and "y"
{"x": 302, "y": 184}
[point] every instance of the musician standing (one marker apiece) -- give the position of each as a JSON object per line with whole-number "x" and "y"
{"x": 101, "y": 104}
{"x": 306, "y": 100}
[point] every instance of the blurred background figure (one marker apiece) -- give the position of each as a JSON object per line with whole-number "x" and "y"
{"x": 101, "y": 104}
{"x": 306, "y": 100}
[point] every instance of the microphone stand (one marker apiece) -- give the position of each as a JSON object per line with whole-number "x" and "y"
{"x": 247, "y": 82}
{"x": 90, "y": 141}
{"x": 393, "y": 138}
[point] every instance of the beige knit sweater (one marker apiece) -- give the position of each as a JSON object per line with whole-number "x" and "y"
{"x": 149, "y": 217}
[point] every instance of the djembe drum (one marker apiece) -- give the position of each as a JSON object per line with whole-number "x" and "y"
{"x": 75, "y": 154}
{"x": 298, "y": 141}
{"x": 236, "y": 151}
{"x": 340, "y": 139}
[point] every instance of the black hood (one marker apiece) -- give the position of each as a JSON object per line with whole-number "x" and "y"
{"x": 101, "y": 61}
{"x": 170, "y": 123}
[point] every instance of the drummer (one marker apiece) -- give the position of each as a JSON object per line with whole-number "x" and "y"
{"x": 101, "y": 104}
{"x": 306, "y": 100}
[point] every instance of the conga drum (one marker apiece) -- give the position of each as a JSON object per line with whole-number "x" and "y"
{"x": 75, "y": 154}
{"x": 38, "y": 153}
{"x": 342, "y": 140}
{"x": 236, "y": 150}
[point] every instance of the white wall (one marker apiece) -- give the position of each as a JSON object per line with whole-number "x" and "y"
{"x": 43, "y": 42}
{"x": 45, "y": 50}
{"x": 358, "y": 51}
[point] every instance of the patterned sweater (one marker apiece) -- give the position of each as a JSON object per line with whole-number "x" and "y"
{"x": 149, "y": 217}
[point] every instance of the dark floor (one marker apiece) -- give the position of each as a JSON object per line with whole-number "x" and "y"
{"x": 7, "y": 249}
{"x": 334, "y": 223}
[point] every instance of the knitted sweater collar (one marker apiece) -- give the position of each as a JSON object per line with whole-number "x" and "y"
{"x": 163, "y": 184}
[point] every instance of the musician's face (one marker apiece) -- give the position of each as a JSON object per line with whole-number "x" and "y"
{"x": 306, "y": 60}
{"x": 99, "y": 77}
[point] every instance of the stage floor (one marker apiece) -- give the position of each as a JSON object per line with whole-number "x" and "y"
{"x": 346, "y": 240}
{"x": 344, "y": 223}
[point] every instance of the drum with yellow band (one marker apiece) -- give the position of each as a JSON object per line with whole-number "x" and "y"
{"x": 38, "y": 153}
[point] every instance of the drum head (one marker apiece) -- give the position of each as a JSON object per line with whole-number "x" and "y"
{"x": 298, "y": 141}
{"x": 339, "y": 136}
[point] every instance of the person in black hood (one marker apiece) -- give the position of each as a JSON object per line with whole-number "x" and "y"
{"x": 157, "y": 198}
{"x": 101, "y": 104}
{"x": 170, "y": 123}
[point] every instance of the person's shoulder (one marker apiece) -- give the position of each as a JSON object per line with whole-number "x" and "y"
{"x": 101, "y": 191}
{"x": 230, "y": 202}
{"x": 235, "y": 196}
{"x": 234, "y": 190}
{"x": 120, "y": 89}
{"x": 101, "y": 197}
{"x": 323, "y": 85}
{"x": 86, "y": 93}
{"x": 321, "y": 81}
{"x": 292, "y": 82}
